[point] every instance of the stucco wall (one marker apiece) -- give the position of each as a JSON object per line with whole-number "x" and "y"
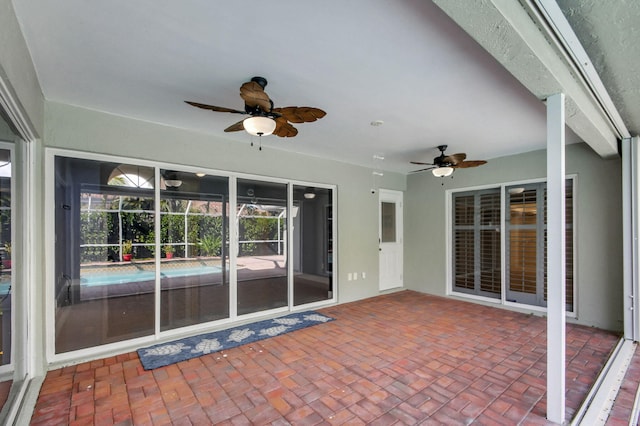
{"x": 598, "y": 201}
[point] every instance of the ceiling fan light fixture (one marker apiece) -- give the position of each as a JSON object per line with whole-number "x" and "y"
{"x": 172, "y": 183}
{"x": 309, "y": 194}
{"x": 442, "y": 171}
{"x": 259, "y": 125}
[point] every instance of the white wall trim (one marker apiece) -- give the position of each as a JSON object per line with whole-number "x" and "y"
{"x": 9, "y": 102}
{"x": 30, "y": 366}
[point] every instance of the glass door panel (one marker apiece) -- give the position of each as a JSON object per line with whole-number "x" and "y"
{"x": 525, "y": 226}
{"x": 104, "y": 253}
{"x": 194, "y": 271}
{"x": 5, "y": 254}
{"x": 312, "y": 227}
{"x": 261, "y": 213}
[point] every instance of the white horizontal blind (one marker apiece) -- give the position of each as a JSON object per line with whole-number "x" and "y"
{"x": 489, "y": 258}
{"x": 525, "y": 222}
{"x": 526, "y": 249}
{"x": 463, "y": 242}
{"x": 476, "y": 242}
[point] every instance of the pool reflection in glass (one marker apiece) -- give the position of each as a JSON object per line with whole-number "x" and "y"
{"x": 104, "y": 215}
{"x": 262, "y": 246}
{"x": 194, "y": 227}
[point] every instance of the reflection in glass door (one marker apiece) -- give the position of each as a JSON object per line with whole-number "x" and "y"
{"x": 312, "y": 228}
{"x": 261, "y": 215}
{"x": 195, "y": 255}
{"x": 105, "y": 250}
{"x": 5, "y": 254}
{"x": 133, "y": 258}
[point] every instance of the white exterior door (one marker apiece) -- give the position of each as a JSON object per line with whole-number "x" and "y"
{"x": 390, "y": 239}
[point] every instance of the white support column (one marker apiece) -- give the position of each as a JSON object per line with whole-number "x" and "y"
{"x": 630, "y": 237}
{"x": 635, "y": 219}
{"x": 556, "y": 293}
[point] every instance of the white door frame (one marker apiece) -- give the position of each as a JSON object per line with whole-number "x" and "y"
{"x": 390, "y": 254}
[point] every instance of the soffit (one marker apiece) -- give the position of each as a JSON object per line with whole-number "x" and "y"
{"x": 610, "y": 34}
{"x": 519, "y": 41}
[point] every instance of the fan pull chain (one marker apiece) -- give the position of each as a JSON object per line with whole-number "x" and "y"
{"x": 442, "y": 180}
{"x": 259, "y": 143}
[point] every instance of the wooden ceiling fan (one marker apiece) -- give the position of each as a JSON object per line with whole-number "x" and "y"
{"x": 258, "y": 104}
{"x": 444, "y": 165}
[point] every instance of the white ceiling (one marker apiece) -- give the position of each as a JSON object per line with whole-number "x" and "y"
{"x": 610, "y": 34}
{"x": 403, "y": 62}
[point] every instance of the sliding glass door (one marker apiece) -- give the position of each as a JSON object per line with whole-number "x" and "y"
{"x": 104, "y": 253}
{"x": 6, "y": 275}
{"x": 261, "y": 214}
{"x": 194, "y": 264}
{"x": 312, "y": 228}
{"x": 142, "y": 250}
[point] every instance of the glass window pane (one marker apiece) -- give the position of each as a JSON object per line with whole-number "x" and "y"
{"x": 523, "y": 207}
{"x": 262, "y": 246}
{"x": 104, "y": 258}
{"x": 6, "y": 257}
{"x": 524, "y": 228}
{"x": 194, "y": 268}
{"x": 312, "y": 227}
{"x": 388, "y": 223}
{"x": 568, "y": 245}
{"x": 464, "y": 259}
{"x": 522, "y": 260}
{"x": 477, "y": 243}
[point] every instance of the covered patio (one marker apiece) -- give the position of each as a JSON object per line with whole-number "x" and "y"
{"x": 400, "y": 358}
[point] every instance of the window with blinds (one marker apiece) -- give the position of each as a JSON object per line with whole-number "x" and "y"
{"x": 476, "y": 243}
{"x": 568, "y": 245}
{"x": 525, "y": 250}
{"x": 477, "y": 264}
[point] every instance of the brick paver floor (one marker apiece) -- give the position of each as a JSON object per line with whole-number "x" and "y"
{"x": 401, "y": 358}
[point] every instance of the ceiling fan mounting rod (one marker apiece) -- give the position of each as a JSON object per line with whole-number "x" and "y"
{"x": 261, "y": 81}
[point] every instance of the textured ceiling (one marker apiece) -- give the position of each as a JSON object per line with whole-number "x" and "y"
{"x": 610, "y": 34}
{"x": 403, "y": 62}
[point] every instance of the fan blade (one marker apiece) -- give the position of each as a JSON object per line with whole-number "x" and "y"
{"x": 284, "y": 129}
{"x": 454, "y": 158}
{"x": 296, "y": 114}
{"x": 422, "y": 170}
{"x": 255, "y": 96}
{"x": 215, "y": 108}
{"x": 470, "y": 163}
{"x": 421, "y": 163}
{"x": 235, "y": 127}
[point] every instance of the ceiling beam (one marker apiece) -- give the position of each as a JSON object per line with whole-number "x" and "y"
{"x": 526, "y": 46}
